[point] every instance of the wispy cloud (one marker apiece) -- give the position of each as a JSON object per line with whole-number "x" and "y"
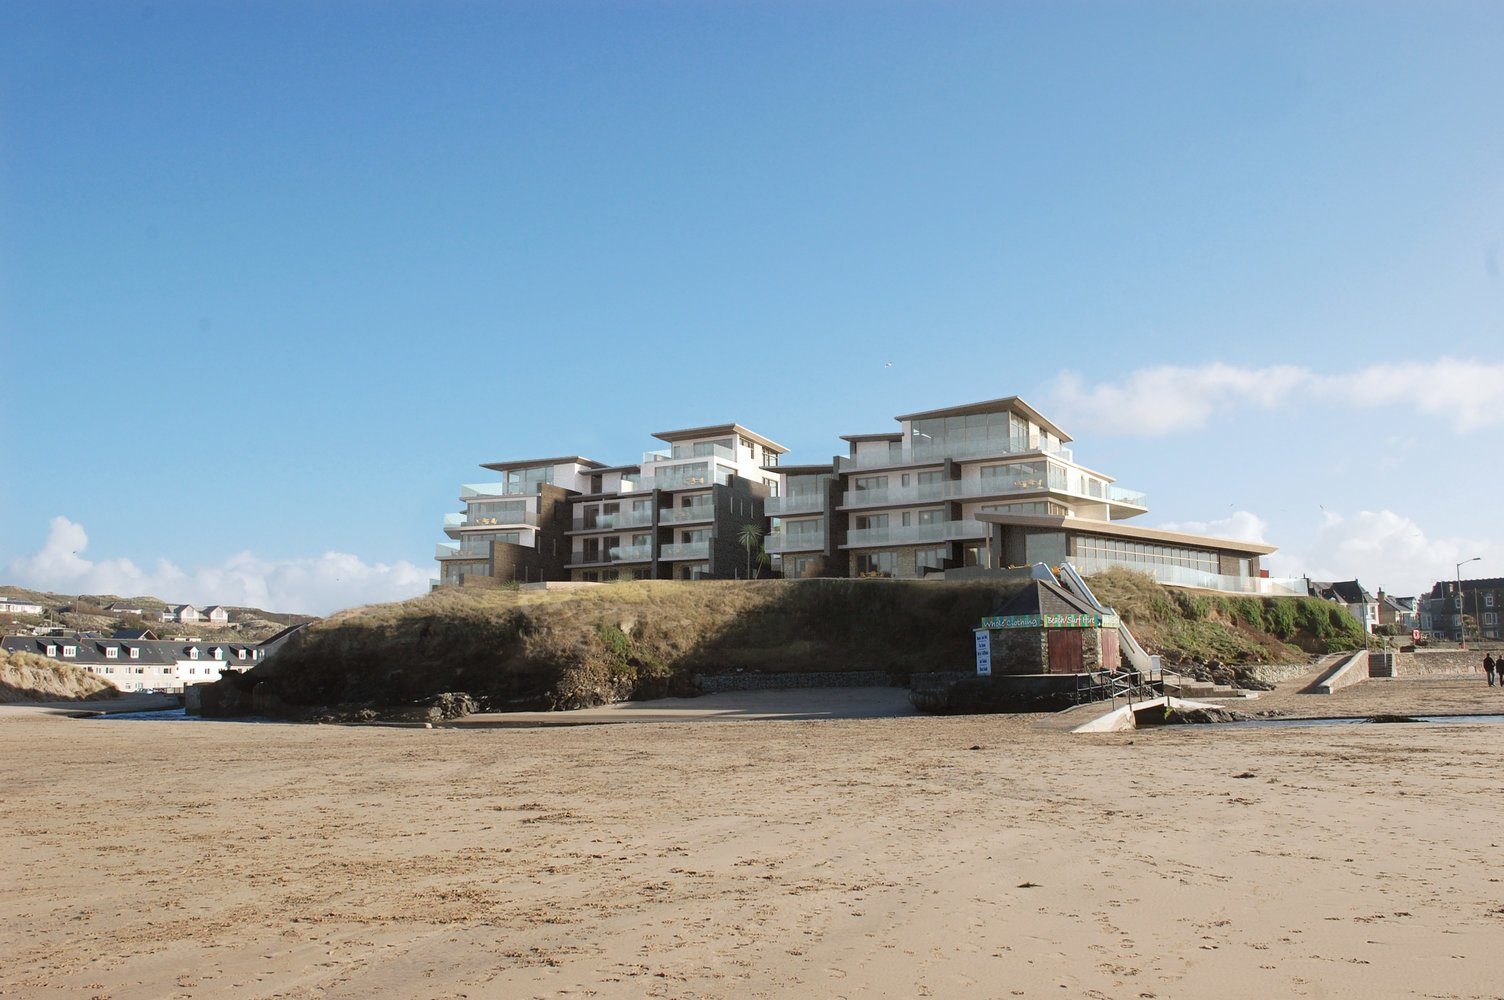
{"x": 1167, "y": 398}
{"x": 310, "y": 585}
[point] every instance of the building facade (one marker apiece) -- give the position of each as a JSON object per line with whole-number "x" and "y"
{"x": 958, "y": 490}
{"x": 678, "y": 514}
{"x": 142, "y": 664}
{"x": 1477, "y": 603}
{"x": 978, "y": 487}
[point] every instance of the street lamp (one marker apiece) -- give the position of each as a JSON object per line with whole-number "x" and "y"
{"x": 1462, "y": 618}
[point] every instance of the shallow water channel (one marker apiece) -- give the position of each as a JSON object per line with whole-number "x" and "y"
{"x": 1360, "y": 720}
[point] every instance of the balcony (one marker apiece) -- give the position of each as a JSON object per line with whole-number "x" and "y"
{"x": 1182, "y": 576}
{"x": 458, "y": 522}
{"x": 803, "y": 541}
{"x": 480, "y": 491}
{"x": 614, "y": 554}
{"x": 446, "y": 551}
{"x": 620, "y": 520}
{"x": 684, "y": 515}
{"x": 955, "y": 446}
{"x": 915, "y": 534}
{"x": 686, "y": 550}
{"x": 1117, "y": 494}
{"x": 662, "y": 455}
{"x": 794, "y": 503}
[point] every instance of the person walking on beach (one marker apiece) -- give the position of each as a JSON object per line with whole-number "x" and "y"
{"x": 1488, "y": 668}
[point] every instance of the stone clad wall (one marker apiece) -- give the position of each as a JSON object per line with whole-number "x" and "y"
{"x": 1431, "y": 662}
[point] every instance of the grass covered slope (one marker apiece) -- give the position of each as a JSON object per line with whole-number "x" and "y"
{"x": 1186, "y": 627}
{"x": 570, "y": 649}
{"x": 28, "y": 677}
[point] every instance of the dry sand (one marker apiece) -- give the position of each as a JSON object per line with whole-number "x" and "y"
{"x": 765, "y": 858}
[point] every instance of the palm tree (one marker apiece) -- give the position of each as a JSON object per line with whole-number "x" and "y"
{"x": 751, "y": 538}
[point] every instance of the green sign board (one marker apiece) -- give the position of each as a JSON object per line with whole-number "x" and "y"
{"x": 1108, "y": 620}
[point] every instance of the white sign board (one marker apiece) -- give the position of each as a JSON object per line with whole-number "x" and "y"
{"x": 984, "y": 653}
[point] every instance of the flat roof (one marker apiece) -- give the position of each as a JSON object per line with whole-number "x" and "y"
{"x": 636, "y": 467}
{"x": 1118, "y": 530}
{"x": 715, "y": 429}
{"x": 894, "y": 436}
{"x": 992, "y": 406}
{"x": 528, "y": 463}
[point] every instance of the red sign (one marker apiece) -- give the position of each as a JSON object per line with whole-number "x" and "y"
{"x": 1415, "y": 634}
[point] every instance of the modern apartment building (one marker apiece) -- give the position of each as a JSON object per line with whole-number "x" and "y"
{"x": 984, "y": 486}
{"x": 676, "y": 514}
{"x": 961, "y": 490}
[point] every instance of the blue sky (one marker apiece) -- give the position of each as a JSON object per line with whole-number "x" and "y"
{"x": 276, "y": 278}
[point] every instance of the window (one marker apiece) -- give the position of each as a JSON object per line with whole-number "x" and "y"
{"x": 111, "y": 653}
{"x": 69, "y": 652}
{"x": 929, "y": 559}
{"x": 50, "y": 649}
{"x": 772, "y": 485}
{"x": 800, "y": 567}
{"x": 219, "y": 654}
{"x": 869, "y": 521}
{"x": 936, "y": 516}
{"x": 870, "y": 482}
{"x": 1488, "y": 600}
{"x": 876, "y": 563}
{"x": 193, "y": 653}
{"x": 1490, "y": 618}
{"x": 135, "y": 653}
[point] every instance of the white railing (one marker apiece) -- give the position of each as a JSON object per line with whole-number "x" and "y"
{"x": 1183, "y": 576}
{"x": 803, "y": 541}
{"x": 915, "y": 534}
{"x": 685, "y": 550}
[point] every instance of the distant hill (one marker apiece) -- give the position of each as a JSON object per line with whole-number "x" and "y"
{"x": 87, "y": 612}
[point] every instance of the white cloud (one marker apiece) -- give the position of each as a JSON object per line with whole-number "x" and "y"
{"x": 1385, "y": 549}
{"x": 310, "y": 585}
{"x": 1240, "y": 525}
{"x": 1170, "y": 398}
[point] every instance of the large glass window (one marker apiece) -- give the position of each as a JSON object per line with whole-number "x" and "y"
{"x": 496, "y": 512}
{"x": 870, "y": 482}
{"x": 929, "y": 559}
{"x": 479, "y": 543}
{"x": 1023, "y": 476}
{"x": 876, "y": 563}
{"x": 528, "y": 480}
{"x": 1046, "y": 547}
{"x": 1034, "y": 507}
{"x": 871, "y": 521}
{"x": 1002, "y": 427}
{"x": 671, "y": 477}
{"x": 1145, "y": 554}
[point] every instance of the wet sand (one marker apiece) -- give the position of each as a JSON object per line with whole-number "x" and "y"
{"x": 767, "y": 858}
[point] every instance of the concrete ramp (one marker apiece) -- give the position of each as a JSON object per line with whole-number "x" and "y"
{"x": 1120, "y": 718}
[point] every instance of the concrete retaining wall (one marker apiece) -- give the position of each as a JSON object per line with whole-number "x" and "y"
{"x": 1432, "y": 662}
{"x": 716, "y": 683}
{"x": 1349, "y": 670}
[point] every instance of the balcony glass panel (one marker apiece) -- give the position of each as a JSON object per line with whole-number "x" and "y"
{"x": 1181, "y": 576}
{"x": 787, "y": 540}
{"x": 686, "y": 550}
{"x": 916, "y": 534}
{"x": 795, "y": 503}
{"x": 693, "y": 512}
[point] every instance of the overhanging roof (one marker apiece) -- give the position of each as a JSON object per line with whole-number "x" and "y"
{"x": 528, "y": 463}
{"x": 715, "y": 429}
{"x": 1082, "y": 526}
{"x": 799, "y": 470}
{"x": 894, "y": 436}
{"x": 992, "y": 406}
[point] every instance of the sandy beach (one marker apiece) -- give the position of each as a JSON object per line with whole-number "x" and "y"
{"x": 909, "y": 856}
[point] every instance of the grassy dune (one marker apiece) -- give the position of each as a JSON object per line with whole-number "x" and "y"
{"x": 651, "y": 638}
{"x": 28, "y": 677}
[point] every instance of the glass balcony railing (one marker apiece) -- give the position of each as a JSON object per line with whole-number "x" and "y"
{"x": 663, "y": 455}
{"x": 454, "y": 520}
{"x": 802, "y": 541}
{"x": 953, "y": 446}
{"x": 476, "y": 519}
{"x": 794, "y": 503}
{"x": 473, "y": 491}
{"x": 445, "y": 551}
{"x": 691, "y": 513}
{"x": 915, "y": 534}
{"x": 686, "y": 550}
{"x": 1182, "y": 576}
{"x": 616, "y": 553}
{"x": 704, "y": 449}
{"x": 617, "y": 520}
{"x": 1133, "y": 499}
